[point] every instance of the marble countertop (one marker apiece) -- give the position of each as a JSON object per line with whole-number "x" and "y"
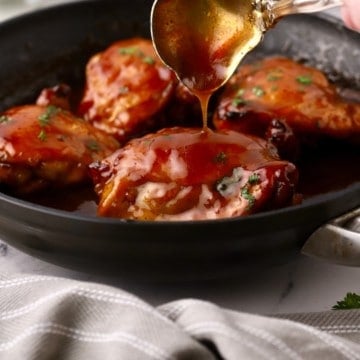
{"x": 303, "y": 285}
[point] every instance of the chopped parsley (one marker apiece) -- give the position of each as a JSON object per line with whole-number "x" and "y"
{"x": 131, "y": 50}
{"x": 229, "y": 185}
{"x": 225, "y": 185}
{"x": 239, "y": 100}
{"x": 304, "y": 80}
{"x": 258, "y": 91}
{"x": 42, "y": 135}
{"x": 245, "y": 193}
{"x": 45, "y": 118}
{"x": 351, "y": 301}
{"x": 4, "y": 119}
{"x": 134, "y": 50}
{"x": 220, "y": 158}
{"x": 240, "y": 93}
{"x": 254, "y": 179}
{"x": 148, "y": 60}
{"x": 93, "y": 145}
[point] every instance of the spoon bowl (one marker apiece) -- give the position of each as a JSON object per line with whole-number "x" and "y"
{"x": 203, "y": 41}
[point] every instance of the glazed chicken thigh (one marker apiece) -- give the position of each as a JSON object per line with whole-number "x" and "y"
{"x": 127, "y": 89}
{"x": 45, "y": 146}
{"x": 192, "y": 174}
{"x": 298, "y": 98}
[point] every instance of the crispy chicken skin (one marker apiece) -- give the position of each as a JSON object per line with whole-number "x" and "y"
{"x": 127, "y": 89}
{"x": 45, "y": 146}
{"x": 192, "y": 174}
{"x": 299, "y": 96}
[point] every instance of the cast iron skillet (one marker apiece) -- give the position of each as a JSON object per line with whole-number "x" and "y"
{"x": 51, "y": 46}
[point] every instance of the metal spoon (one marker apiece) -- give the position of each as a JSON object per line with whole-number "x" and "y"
{"x": 203, "y": 41}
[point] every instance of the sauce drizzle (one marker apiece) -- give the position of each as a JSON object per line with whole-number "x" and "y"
{"x": 203, "y": 41}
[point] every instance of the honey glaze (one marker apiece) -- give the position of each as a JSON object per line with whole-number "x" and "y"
{"x": 331, "y": 169}
{"x": 203, "y": 41}
{"x": 187, "y": 174}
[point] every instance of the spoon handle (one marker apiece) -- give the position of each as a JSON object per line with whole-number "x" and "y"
{"x": 279, "y": 8}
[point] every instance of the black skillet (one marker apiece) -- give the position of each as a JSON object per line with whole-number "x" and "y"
{"x": 52, "y": 45}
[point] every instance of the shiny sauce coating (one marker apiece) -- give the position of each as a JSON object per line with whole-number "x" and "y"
{"x": 190, "y": 174}
{"x": 46, "y": 146}
{"x": 320, "y": 172}
{"x": 204, "y": 41}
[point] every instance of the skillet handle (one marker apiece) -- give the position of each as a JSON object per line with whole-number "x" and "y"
{"x": 338, "y": 241}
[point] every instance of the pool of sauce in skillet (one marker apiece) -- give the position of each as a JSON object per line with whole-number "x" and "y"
{"x": 331, "y": 167}
{"x": 321, "y": 171}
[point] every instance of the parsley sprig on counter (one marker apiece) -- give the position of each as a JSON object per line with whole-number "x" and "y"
{"x": 351, "y": 301}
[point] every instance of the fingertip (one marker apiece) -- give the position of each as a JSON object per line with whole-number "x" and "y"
{"x": 350, "y": 19}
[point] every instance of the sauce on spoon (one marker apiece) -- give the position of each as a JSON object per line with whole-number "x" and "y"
{"x": 203, "y": 41}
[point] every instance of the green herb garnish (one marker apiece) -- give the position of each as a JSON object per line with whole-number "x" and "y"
{"x": 131, "y": 50}
{"x": 245, "y": 193}
{"x": 254, "y": 179}
{"x": 42, "y": 135}
{"x": 304, "y": 80}
{"x": 45, "y": 118}
{"x": 239, "y": 100}
{"x": 149, "y": 60}
{"x": 224, "y": 186}
{"x": 258, "y": 91}
{"x": 351, "y": 301}
{"x": 93, "y": 145}
{"x": 240, "y": 93}
{"x": 220, "y": 158}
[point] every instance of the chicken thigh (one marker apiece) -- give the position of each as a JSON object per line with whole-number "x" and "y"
{"x": 45, "y": 146}
{"x": 279, "y": 95}
{"x": 193, "y": 174}
{"x": 127, "y": 89}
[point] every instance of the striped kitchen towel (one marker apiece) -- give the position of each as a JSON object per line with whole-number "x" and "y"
{"x": 55, "y": 318}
